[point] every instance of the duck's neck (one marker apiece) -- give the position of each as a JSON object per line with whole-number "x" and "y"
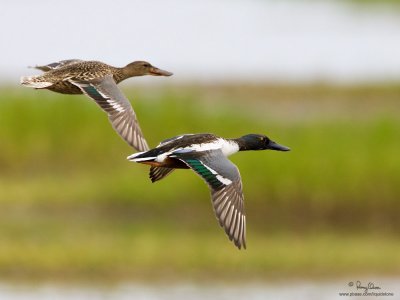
{"x": 241, "y": 144}
{"x": 121, "y": 74}
{"x": 230, "y": 147}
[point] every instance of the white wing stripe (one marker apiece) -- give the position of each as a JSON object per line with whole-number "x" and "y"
{"x": 224, "y": 180}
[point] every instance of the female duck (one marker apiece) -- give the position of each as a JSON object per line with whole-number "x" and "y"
{"x": 98, "y": 81}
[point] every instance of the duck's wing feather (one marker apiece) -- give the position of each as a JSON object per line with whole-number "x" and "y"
{"x": 120, "y": 112}
{"x": 174, "y": 139}
{"x": 158, "y": 173}
{"x": 223, "y": 179}
{"x": 58, "y": 64}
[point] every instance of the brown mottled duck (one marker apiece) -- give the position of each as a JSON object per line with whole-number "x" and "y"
{"x": 98, "y": 81}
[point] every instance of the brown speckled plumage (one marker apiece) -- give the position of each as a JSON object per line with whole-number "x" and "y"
{"x": 98, "y": 81}
{"x": 59, "y": 74}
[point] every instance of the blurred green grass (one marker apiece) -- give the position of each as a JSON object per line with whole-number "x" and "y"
{"x": 72, "y": 205}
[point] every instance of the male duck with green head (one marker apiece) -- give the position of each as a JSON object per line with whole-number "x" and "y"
{"x": 206, "y": 154}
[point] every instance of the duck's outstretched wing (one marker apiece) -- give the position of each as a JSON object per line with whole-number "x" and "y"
{"x": 120, "y": 112}
{"x": 56, "y": 65}
{"x": 223, "y": 178}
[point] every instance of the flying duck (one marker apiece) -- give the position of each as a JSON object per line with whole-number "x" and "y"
{"x": 206, "y": 154}
{"x": 98, "y": 81}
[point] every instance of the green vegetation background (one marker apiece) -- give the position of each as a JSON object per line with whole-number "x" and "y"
{"x": 72, "y": 206}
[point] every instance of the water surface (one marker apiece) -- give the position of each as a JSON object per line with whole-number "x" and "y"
{"x": 208, "y": 40}
{"x": 307, "y": 290}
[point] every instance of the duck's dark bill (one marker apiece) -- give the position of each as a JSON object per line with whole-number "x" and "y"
{"x": 159, "y": 72}
{"x": 275, "y": 146}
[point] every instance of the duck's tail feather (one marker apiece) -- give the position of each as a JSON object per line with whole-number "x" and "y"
{"x": 34, "y": 82}
{"x": 41, "y": 68}
{"x": 139, "y": 157}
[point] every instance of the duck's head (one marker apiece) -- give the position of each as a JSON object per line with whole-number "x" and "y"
{"x": 140, "y": 68}
{"x": 258, "y": 142}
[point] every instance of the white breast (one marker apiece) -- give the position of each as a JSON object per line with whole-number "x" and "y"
{"x": 229, "y": 147}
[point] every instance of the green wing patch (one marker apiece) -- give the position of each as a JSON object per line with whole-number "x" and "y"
{"x": 92, "y": 91}
{"x": 205, "y": 172}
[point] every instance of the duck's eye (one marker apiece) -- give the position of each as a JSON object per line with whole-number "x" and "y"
{"x": 146, "y": 65}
